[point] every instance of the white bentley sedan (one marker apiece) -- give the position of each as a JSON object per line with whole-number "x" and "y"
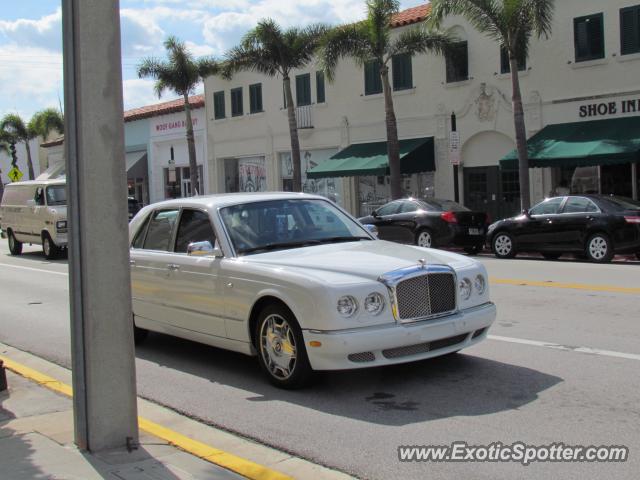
{"x": 297, "y": 281}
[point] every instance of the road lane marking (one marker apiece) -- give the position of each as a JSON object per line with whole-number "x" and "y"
{"x": 20, "y": 267}
{"x": 566, "y": 348}
{"x": 573, "y": 286}
{"x": 243, "y": 467}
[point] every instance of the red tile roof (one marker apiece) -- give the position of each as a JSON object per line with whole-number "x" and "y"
{"x": 148, "y": 111}
{"x": 411, "y": 15}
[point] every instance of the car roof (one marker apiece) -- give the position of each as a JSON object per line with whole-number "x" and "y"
{"x": 227, "y": 199}
{"x": 56, "y": 181}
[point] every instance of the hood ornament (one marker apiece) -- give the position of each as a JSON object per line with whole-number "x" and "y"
{"x": 423, "y": 262}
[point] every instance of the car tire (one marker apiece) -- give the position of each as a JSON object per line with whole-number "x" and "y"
{"x": 280, "y": 346}
{"x": 15, "y": 247}
{"x": 551, "y": 255}
{"x": 50, "y": 250}
{"x": 599, "y": 248}
{"x": 424, "y": 238}
{"x": 503, "y": 245}
{"x": 139, "y": 334}
{"x": 475, "y": 250}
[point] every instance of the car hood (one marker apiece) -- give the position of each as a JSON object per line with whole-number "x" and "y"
{"x": 368, "y": 259}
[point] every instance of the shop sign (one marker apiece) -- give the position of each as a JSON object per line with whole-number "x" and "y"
{"x": 603, "y": 109}
{"x": 454, "y": 148}
{"x": 178, "y": 124}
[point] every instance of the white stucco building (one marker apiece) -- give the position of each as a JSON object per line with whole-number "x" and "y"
{"x": 586, "y": 71}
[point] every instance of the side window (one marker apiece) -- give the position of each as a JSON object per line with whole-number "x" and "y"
{"x": 579, "y": 205}
{"x": 389, "y": 209}
{"x": 39, "y": 197}
{"x": 408, "y": 207}
{"x": 138, "y": 240}
{"x": 194, "y": 226}
{"x": 548, "y": 207}
{"x": 160, "y": 230}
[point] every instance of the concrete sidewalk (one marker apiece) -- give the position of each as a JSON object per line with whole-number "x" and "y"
{"x": 36, "y": 439}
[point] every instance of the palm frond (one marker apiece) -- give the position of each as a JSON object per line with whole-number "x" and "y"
{"x": 45, "y": 121}
{"x": 418, "y": 40}
{"x": 486, "y": 16}
{"x": 13, "y": 125}
{"x": 344, "y": 41}
{"x": 540, "y": 13}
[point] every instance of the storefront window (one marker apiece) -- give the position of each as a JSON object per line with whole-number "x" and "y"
{"x": 330, "y": 188}
{"x": 374, "y": 191}
{"x": 180, "y": 185}
{"x": 245, "y": 175}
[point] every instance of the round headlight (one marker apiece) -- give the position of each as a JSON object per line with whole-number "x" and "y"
{"x": 374, "y": 303}
{"x": 464, "y": 287}
{"x": 480, "y": 283}
{"x": 347, "y": 306}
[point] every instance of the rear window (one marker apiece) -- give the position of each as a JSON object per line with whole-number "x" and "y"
{"x": 621, "y": 203}
{"x": 444, "y": 205}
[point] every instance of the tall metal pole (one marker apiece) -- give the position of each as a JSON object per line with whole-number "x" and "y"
{"x": 456, "y": 187}
{"x": 102, "y": 351}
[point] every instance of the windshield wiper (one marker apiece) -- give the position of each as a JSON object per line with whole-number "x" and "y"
{"x": 277, "y": 246}
{"x": 341, "y": 239}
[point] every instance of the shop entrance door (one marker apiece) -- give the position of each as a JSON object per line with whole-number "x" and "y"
{"x": 490, "y": 190}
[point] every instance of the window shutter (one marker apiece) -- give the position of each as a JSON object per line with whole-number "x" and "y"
{"x": 372, "y": 80}
{"x": 255, "y": 98}
{"x": 630, "y": 30}
{"x": 402, "y": 74}
{"x": 303, "y": 89}
{"x": 589, "y": 37}
{"x": 320, "y": 98}
{"x": 218, "y": 105}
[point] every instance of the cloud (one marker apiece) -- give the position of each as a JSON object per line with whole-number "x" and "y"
{"x": 141, "y": 34}
{"x": 138, "y": 92}
{"x": 45, "y": 32}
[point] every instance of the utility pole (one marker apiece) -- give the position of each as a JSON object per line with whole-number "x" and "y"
{"x": 102, "y": 350}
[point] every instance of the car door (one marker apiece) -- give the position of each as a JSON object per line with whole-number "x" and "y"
{"x": 538, "y": 230}
{"x": 577, "y": 215}
{"x": 405, "y": 222}
{"x": 383, "y": 220}
{"x": 149, "y": 258}
{"x": 194, "y": 300}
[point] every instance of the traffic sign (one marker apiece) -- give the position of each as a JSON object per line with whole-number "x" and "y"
{"x": 15, "y": 174}
{"x": 454, "y": 148}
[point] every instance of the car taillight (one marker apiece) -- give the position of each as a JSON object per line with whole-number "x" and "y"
{"x": 630, "y": 219}
{"x": 449, "y": 217}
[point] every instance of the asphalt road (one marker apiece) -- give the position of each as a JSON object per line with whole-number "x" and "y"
{"x": 531, "y": 381}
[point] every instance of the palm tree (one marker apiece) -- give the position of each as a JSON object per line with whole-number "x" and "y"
{"x": 269, "y": 50}
{"x": 512, "y": 23}
{"x": 13, "y": 125}
{"x": 40, "y": 125}
{"x": 180, "y": 74}
{"x": 371, "y": 40}
{"x": 4, "y": 147}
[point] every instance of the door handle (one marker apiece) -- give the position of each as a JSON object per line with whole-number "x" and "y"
{"x": 173, "y": 266}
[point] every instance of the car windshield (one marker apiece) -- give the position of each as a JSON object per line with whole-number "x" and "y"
{"x": 259, "y": 227}
{"x": 56, "y": 195}
{"x": 623, "y": 203}
{"x": 444, "y": 205}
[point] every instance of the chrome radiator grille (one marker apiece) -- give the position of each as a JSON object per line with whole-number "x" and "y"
{"x": 426, "y": 295}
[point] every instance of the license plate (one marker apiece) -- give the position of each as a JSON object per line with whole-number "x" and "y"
{"x": 475, "y": 231}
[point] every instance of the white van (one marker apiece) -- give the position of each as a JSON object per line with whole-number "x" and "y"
{"x": 35, "y": 212}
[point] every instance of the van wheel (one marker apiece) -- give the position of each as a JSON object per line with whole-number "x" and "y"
{"x": 49, "y": 248}
{"x": 15, "y": 247}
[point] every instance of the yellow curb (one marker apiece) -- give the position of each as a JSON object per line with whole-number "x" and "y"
{"x": 218, "y": 457}
{"x": 574, "y": 286}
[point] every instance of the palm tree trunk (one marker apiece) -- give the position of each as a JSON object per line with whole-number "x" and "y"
{"x": 1, "y": 186}
{"x": 521, "y": 135}
{"x": 293, "y": 132}
{"x": 393, "y": 145}
{"x": 191, "y": 145}
{"x": 29, "y": 161}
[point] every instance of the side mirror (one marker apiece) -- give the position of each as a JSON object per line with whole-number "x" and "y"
{"x": 526, "y": 213}
{"x": 374, "y": 214}
{"x": 203, "y": 249}
{"x": 373, "y": 230}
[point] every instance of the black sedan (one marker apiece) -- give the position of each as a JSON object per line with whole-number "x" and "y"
{"x": 430, "y": 223}
{"x": 594, "y": 226}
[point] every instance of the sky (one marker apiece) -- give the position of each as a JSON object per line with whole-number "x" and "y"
{"x": 31, "y": 40}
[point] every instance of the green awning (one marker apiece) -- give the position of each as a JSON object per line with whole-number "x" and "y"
{"x": 416, "y": 155}
{"x": 582, "y": 144}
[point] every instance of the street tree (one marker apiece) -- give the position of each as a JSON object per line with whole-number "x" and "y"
{"x": 272, "y": 51}
{"x": 4, "y": 147}
{"x": 45, "y": 121}
{"x": 13, "y": 126}
{"x": 371, "y": 41}
{"x": 511, "y": 23}
{"x": 181, "y": 74}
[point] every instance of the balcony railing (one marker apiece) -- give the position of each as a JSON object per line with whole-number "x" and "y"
{"x": 304, "y": 116}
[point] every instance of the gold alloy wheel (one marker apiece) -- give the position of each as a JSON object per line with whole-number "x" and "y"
{"x": 278, "y": 346}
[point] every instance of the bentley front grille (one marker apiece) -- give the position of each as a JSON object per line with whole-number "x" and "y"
{"x": 426, "y": 295}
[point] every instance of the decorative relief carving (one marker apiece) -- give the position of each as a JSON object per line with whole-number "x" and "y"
{"x": 485, "y": 105}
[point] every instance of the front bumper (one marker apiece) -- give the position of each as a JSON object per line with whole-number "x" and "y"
{"x": 397, "y": 343}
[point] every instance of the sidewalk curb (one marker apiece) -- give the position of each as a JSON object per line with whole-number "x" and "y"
{"x": 210, "y": 454}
